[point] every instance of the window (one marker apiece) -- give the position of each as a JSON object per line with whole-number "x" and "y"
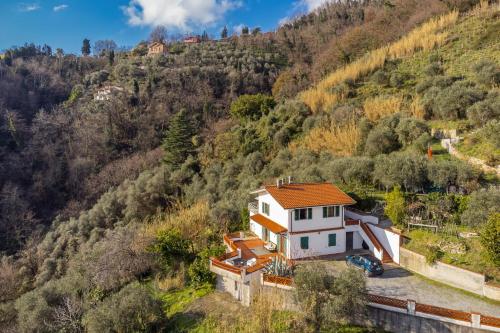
{"x": 332, "y": 240}
{"x": 303, "y": 214}
{"x": 265, "y": 208}
{"x": 304, "y": 243}
{"x": 331, "y": 211}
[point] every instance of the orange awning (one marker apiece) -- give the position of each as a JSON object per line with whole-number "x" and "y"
{"x": 268, "y": 224}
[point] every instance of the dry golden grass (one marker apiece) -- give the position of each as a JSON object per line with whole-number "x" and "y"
{"x": 192, "y": 223}
{"x": 260, "y": 317}
{"x": 319, "y": 99}
{"x": 176, "y": 281}
{"x": 416, "y": 108}
{"x": 425, "y": 37}
{"x": 340, "y": 141}
{"x": 380, "y": 107}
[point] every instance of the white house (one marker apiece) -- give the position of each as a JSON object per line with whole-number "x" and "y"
{"x": 296, "y": 221}
{"x": 303, "y": 220}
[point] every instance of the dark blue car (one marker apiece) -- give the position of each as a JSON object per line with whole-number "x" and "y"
{"x": 369, "y": 264}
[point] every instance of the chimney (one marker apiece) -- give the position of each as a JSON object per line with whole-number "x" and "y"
{"x": 278, "y": 183}
{"x": 290, "y": 179}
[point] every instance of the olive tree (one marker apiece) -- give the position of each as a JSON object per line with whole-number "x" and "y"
{"x": 328, "y": 300}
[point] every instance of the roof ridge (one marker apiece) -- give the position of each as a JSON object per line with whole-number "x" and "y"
{"x": 305, "y": 183}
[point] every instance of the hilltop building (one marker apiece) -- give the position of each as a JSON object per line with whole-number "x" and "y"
{"x": 157, "y": 48}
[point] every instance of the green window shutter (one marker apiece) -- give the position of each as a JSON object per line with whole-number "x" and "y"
{"x": 332, "y": 239}
{"x": 304, "y": 243}
{"x": 309, "y": 213}
{"x": 325, "y": 212}
{"x": 297, "y": 214}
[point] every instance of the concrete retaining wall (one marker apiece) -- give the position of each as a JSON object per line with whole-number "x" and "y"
{"x": 448, "y": 274}
{"x": 404, "y": 323}
{"x": 389, "y": 240}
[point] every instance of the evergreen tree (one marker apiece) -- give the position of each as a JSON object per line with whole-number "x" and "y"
{"x": 136, "y": 87}
{"x": 224, "y": 33}
{"x": 178, "y": 143}
{"x": 204, "y": 36}
{"x": 244, "y": 30}
{"x": 86, "y": 47}
{"x": 8, "y": 58}
{"x": 111, "y": 57}
{"x": 395, "y": 207}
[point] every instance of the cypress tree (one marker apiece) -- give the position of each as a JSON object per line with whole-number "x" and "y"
{"x": 223, "y": 33}
{"x": 86, "y": 47}
{"x": 177, "y": 143}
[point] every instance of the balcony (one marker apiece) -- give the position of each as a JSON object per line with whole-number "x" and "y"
{"x": 247, "y": 254}
{"x": 253, "y": 207}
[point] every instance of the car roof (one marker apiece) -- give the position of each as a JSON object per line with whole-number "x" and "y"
{"x": 370, "y": 257}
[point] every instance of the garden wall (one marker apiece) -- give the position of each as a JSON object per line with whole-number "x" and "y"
{"x": 398, "y": 322}
{"x": 448, "y": 274}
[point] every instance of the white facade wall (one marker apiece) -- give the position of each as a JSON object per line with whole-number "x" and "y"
{"x": 357, "y": 240}
{"x": 389, "y": 240}
{"x": 318, "y": 244}
{"x": 256, "y": 228}
{"x": 276, "y": 213}
{"x": 317, "y": 222}
{"x": 359, "y": 216}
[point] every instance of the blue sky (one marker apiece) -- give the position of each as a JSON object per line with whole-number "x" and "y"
{"x": 65, "y": 23}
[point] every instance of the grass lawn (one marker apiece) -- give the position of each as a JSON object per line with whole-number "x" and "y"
{"x": 461, "y": 252}
{"x": 177, "y": 301}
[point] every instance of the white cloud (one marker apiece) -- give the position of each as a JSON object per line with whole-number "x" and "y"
{"x": 59, "y": 8}
{"x": 301, "y": 7}
{"x": 29, "y": 7}
{"x": 237, "y": 28}
{"x": 311, "y": 5}
{"x": 178, "y": 14}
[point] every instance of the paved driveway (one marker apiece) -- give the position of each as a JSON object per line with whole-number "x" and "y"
{"x": 399, "y": 283}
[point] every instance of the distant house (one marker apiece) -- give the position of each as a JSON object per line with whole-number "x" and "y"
{"x": 105, "y": 93}
{"x": 192, "y": 40}
{"x": 156, "y": 48}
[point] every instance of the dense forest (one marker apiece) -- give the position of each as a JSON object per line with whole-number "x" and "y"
{"x": 110, "y": 209}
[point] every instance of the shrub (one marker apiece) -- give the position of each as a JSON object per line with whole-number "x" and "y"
{"x": 482, "y": 112}
{"x": 487, "y": 72}
{"x": 490, "y": 238}
{"x": 481, "y": 205}
{"x": 252, "y": 107}
{"x": 409, "y": 130}
{"x": 380, "y": 77}
{"x": 199, "y": 271}
{"x": 433, "y": 253}
{"x": 452, "y": 102}
{"x": 434, "y": 69}
{"x": 381, "y": 140}
{"x": 132, "y": 309}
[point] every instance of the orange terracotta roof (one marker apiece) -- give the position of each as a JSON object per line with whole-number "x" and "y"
{"x": 268, "y": 224}
{"x": 308, "y": 195}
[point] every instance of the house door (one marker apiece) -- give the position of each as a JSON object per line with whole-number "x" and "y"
{"x": 265, "y": 234}
{"x": 348, "y": 241}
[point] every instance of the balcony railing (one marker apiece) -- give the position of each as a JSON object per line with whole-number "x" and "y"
{"x": 253, "y": 207}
